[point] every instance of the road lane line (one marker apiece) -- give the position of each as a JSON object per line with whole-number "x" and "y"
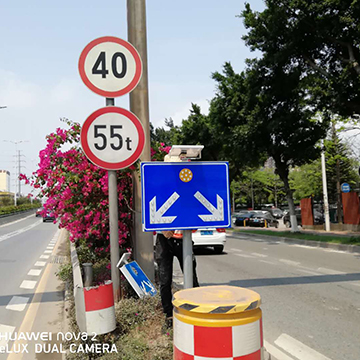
{"x": 267, "y": 262}
{"x": 30, "y": 315}
{"x": 298, "y": 349}
{"x": 44, "y": 256}
{"x": 289, "y": 262}
{"x": 259, "y": 255}
{"x": 16, "y": 221}
{"x": 330, "y": 271}
{"x": 274, "y": 351}
{"x": 34, "y": 272}
{"x": 40, "y": 263}
{"x": 18, "y": 303}
{"x": 245, "y": 256}
{"x": 5, "y": 329}
{"x": 309, "y": 272}
{"x": 235, "y": 250}
{"x": 28, "y": 284}
{"x": 17, "y": 232}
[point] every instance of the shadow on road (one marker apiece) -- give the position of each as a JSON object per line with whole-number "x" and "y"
{"x": 297, "y": 280}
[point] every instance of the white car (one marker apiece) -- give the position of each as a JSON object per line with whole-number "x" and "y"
{"x": 215, "y": 238}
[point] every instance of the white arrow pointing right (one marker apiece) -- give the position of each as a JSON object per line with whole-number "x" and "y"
{"x": 217, "y": 213}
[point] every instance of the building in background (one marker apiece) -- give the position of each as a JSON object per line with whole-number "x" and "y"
{"x": 4, "y": 181}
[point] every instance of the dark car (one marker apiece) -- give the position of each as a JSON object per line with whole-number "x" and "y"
{"x": 243, "y": 219}
{"x": 48, "y": 217}
{"x": 318, "y": 218}
{"x": 263, "y": 220}
{"x": 276, "y": 213}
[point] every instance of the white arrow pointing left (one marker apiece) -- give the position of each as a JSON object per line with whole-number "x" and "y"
{"x": 156, "y": 216}
{"x": 217, "y": 214}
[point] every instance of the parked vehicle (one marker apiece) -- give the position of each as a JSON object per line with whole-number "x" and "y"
{"x": 276, "y": 213}
{"x": 263, "y": 220}
{"x": 242, "y": 219}
{"x": 318, "y": 218}
{"x": 215, "y": 238}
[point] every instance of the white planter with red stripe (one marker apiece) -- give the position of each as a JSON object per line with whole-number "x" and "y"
{"x": 217, "y": 322}
{"x": 99, "y": 309}
{"x": 95, "y": 311}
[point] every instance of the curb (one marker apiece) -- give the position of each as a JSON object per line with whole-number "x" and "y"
{"x": 354, "y": 249}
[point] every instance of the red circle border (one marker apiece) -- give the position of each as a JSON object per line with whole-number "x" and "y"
{"x": 103, "y": 164}
{"x": 95, "y": 89}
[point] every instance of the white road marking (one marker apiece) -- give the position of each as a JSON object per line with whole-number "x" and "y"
{"x": 47, "y": 251}
{"x": 235, "y": 250}
{"x": 18, "y": 303}
{"x": 267, "y": 262}
{"x": 274, "y": 351}
{"x": 17, "y": 232}
{"x": 289, "y": 262}
{"x": 5, "y": 329}
{"x": 50, "y": 247}
{"x": 40, "y": 263}
{"x": 16, "y": 221}
{"x": 330, "y": 271}
{"x": 245, "y": 256}
{"x": 309, "y": 272}
{"x": 44, "y": 256}
{"x": 28, "y": 284}
{"x": 259, "y": 255}
{"x": 34, "y": 272}
{"x": 298, "y": 349}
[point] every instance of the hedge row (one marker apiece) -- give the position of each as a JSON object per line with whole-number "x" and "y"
{"x": 6, "y": 210}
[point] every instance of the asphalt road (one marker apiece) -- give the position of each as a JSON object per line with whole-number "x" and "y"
{"x": 24, "y": 252}
{"x": 310, "y": 296}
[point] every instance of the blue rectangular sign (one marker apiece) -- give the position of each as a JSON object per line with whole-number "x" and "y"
{"x": 185, "y": 195}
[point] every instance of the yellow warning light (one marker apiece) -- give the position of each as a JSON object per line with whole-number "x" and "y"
{"x": 186, "y": 175}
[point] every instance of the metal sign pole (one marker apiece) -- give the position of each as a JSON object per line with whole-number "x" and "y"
{"x": 187, "y": 259}
{"x": 114, "y": 226}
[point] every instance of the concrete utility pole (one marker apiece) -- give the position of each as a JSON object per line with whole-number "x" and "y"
{"x": 139, "y": 105}
{"x": 326, "y": 201}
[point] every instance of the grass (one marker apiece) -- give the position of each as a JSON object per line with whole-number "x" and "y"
{"x": 348, "y": 240}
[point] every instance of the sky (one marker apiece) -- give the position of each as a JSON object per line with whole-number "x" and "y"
{"x": 41, "y": 42}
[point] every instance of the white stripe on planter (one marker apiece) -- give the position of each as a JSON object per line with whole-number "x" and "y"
{"x": 28, "y": 284}
{"x": 40, "y": 263}
{"x": 34, "y": 272}
{"x": 18, "y": 303}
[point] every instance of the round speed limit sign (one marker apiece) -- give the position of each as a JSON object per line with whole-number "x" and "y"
{"x": 110, "y": 66}
{"x": 112, "y": 138}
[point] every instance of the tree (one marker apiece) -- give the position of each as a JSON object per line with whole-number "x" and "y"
{"x": 263, "y": 113}
{"x": 321, "y": 38}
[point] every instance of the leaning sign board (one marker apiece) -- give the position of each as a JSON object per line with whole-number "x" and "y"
{"x": 185, "y": 195}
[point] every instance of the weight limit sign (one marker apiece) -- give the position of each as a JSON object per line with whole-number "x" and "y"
{"x": 110, "y": 66}
{"x": 112, "y": 138}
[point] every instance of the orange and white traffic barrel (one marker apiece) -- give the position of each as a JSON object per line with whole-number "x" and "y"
{"x": 218, "y": 322}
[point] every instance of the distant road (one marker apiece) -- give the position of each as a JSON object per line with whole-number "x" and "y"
{"x": 311, "y": 296}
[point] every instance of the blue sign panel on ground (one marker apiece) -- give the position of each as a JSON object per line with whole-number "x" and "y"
{"x": 185, "y": 195}
{"x": 345, "y": 187}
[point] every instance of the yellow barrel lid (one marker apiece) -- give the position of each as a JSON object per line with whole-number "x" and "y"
{"x": 221, "y": 299}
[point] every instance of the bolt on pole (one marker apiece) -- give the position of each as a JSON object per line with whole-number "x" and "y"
{"x": 114, "y": 225}
{"x": 139, "y": 105}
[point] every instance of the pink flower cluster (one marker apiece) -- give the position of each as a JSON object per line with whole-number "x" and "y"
{"x": 76, "y": 191}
